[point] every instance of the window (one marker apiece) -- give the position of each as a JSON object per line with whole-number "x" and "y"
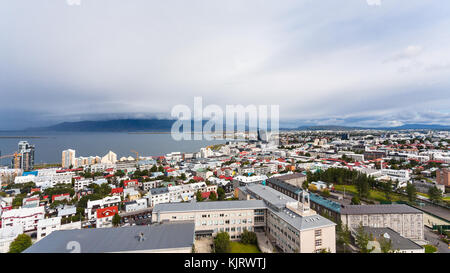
{"x": 318, "y": 242}
{"x": 318, "y": 232}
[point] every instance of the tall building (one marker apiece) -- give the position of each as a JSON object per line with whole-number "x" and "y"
{"x": 110, "y": 157}
{"x": 443, "y": 177}
{"x": 25, "y": 156}
{"x": 68, "y": 158}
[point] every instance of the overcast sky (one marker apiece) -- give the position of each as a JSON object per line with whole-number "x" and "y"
{"x": 345, "y": 62}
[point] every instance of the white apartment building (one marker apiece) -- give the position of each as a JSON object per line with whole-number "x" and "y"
{"x": 173, "y": 194}
{"x": 68, "y": 158}
{"x": 47, "y": 226}
{"x": 109, "y": 158}
{"x": 81, "y": 183}
{"x": 108, "y": 201}
{"x": 136, "y": 205}
{"x": 27, "y": 218}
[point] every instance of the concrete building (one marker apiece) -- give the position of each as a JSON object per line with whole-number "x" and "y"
{"x": 93, "y": 206}
{"x": 109, "y": 158}
{"x": 443, "y": 177}
{"x": 405, "y": 220}
{"x": 295, "y": 179}
{"x": 136, "y": 205}
{"x": 213, "y": 217}
{"x": 68, "y": 158}
{"x": 25, "y": 156}
{"x": 321, "y": 205}
{"x": 291, "y": 224}
{"x": 27, "y": 218}
{"x": 81, "y": 183}
{"x": 105, "y": 216}
{"x": 399, "y": 244}
{"x": 47, "y": 226}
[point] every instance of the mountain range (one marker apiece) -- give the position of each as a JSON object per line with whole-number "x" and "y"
{"x": 165, "y": 125}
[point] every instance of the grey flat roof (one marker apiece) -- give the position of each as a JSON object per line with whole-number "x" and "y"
{"x": 398, "y": 242}
{"x": 303, "y": 222}
{"x": 290, "y": 176}
{"x": 155, "y": 191}
{"x": 279, "y": 200}
{"x": 378, "y": 209}
{"x": 122, "y": 239}
{"x": 268, "y": 194}
{"x": 209, "y": 205}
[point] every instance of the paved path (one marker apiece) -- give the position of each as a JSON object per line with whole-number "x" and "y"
{"x": 433, "y": 238}
{"x": 264, "y": 243}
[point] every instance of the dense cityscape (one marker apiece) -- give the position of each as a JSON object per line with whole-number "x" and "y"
{"x": 354, "y": 191}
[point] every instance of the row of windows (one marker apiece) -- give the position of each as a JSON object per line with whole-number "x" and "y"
{"x": 233, "y": 229}
{"x": 226, "y": 215}
{"x": 223, "y": 222}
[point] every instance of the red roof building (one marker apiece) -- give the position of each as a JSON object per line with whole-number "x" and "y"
{"x": 117, "y": 191}
{"x": 107, "y": 212}
{"x": 130, "y": 183}
{"x": 60, "y": 197}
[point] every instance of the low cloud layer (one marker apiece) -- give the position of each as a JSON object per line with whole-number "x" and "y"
{"x": 354, "y": 62}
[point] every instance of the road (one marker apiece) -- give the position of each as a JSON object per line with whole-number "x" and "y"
{"x": 433, "y": 238}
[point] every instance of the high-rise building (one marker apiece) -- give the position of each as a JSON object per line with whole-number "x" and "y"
{"x": 110, "y": 157}
{"x": 25, "y": 156}
{"x": 443, "y": 177}
{"x": 68, "y": 158}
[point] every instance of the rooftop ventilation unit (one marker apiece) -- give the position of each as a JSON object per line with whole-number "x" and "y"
{"x": 141, "y": 237}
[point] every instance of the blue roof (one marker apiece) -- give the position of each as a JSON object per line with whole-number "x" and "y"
{"x": 334, "y": 206}
{"x": 35, "y": 173}
{"x": 331, "y": 205}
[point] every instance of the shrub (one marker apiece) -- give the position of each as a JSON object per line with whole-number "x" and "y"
{"x": 248, "y": 237}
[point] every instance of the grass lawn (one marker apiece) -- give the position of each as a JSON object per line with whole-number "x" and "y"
{"x": 348, "y": 188}
{"x": 374, "y": 194}
{"x": 430, "y": 249}
{"x": 237, "y": 247}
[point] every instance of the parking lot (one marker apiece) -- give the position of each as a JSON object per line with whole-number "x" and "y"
{"x": 136, "y": 219}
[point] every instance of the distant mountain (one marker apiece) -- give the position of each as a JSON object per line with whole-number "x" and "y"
{"x": 165, "y": 125}
{"x": 119, "y": 125}
{"x": 423, "y": 126}
{"x": 349, "y": 128}
{"x": 327, "y": 127}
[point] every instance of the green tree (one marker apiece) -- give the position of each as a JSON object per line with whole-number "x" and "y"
{"x": 21, "y": 243}
{"x": 355, "y": 200}
{"x": 213, "y": 196}
{"x": 222, "y": 243}
{"x": 362, "y": 239}
{"x": 220, "y": 194}
{"x": 343, "y": 234}
{"x": 116, "y": 219}
{"x": 326, "y": 193}
{"x": 385, "y": 245}
{"x": 198, "y": 196}
{"x": 249, "y": 237}
{"x": 411, "y": 192}
{"x": 435, "y": 194}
